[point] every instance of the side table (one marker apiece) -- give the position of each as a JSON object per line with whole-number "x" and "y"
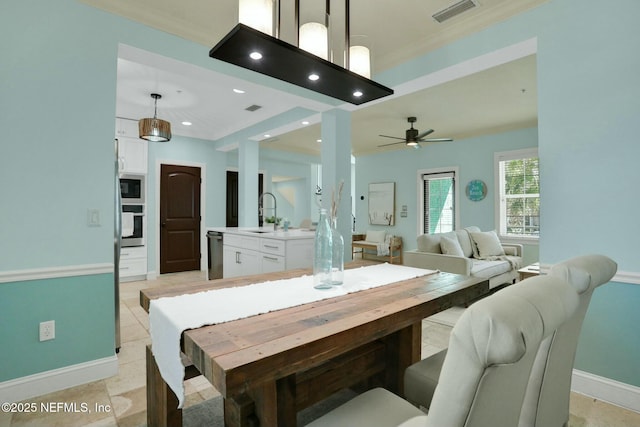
{"x": 529, "y": 271}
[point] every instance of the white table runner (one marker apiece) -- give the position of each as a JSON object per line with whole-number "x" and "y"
{"x": 170, "y": 316}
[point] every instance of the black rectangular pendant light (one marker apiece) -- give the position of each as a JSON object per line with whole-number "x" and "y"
{"x": 284, "y": 61}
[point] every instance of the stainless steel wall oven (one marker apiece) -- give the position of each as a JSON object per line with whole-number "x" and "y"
{"x": 133, "y": 224}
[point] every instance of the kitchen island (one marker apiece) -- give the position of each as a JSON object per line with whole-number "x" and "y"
{"x": 262, "y": 250}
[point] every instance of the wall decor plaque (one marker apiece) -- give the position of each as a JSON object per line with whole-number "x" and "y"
{"x": 476, "y": 190}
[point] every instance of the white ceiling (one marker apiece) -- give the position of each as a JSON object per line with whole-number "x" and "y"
{"x": 499, "y": 98}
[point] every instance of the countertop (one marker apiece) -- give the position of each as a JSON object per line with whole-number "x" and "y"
{"x": 280, "y": 234}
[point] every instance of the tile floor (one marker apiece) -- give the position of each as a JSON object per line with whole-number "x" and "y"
{"x": 121, "y": 400}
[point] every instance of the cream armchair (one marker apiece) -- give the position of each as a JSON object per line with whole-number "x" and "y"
{"x": 485, "y": 374}
{"x": 546, "y": 402}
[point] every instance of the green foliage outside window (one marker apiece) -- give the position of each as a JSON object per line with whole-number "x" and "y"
{"x": 522, "y": 196}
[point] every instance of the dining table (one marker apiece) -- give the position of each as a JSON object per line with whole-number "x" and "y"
{"x": 270, "y": 366}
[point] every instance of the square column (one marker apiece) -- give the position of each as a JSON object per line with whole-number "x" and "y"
{"x": 335, "y": 156}
{"x": 248, "y": 159}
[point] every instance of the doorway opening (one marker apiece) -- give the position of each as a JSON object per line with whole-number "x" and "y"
{"x": 232, "y": 197}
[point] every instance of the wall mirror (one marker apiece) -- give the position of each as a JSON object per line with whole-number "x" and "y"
{"x": 382, "y": 201}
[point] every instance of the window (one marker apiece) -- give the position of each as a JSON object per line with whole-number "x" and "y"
{"x": 438, "y": 213}
{"x": 519, "y": 193}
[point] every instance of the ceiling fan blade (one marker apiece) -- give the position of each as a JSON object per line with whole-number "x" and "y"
{"x": 436, "y": 140}
{"x": 392, "y": 143}
{"x": 394, "y": 137}
{"x": 425, "y": 133}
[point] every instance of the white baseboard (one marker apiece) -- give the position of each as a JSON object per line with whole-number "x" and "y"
{"x": 607, "y": 390}
{"x": 58, "y": 379}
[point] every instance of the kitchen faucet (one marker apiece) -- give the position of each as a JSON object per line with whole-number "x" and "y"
{"x": 275, "y": 210}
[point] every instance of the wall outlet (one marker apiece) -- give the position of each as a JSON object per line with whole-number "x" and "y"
{"x": 47, "y": 330}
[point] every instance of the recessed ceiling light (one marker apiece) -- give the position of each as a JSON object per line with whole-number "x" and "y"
{"x": 239, "y": 91}
{"x": 313, "y": 77}
{"x": 357, "y": 93}
{"x": 318, "y": 140}
{"x": 305, "y": 123}
{"x": 187, "y": 123}
{"x": 266, "y": 135}
{"x": 255, "y": 55}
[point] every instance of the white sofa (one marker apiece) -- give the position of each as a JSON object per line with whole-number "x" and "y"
{"x": 470, "y": 252}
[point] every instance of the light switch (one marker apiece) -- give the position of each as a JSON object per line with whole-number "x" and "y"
{"x": 93, "y": 217}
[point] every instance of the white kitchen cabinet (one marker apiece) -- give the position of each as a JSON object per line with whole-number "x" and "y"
{"x": 245, "y": 254}
{"x": 237, "y": 261}
{"x": 273, "y": 246}
{"x": 299, "y": 253}
{"x": 272, "y": 263}
{"x": 132, "y": 155}
{"x": 133, "y": 263}
{"x": 272, "y": 257}
{"x": 132, "y": 152}
{"x": 126, "y": 128}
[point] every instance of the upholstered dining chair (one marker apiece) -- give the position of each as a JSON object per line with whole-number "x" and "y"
{"x": 546, "y": 402}
{"x": 486, "y": 370}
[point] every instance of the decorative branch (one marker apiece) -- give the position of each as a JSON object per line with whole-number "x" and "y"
{"x": 336, "y": 203}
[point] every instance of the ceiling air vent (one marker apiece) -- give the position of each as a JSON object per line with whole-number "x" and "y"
{"x": 454, "y": 10}
{"x": 253, "y": 107}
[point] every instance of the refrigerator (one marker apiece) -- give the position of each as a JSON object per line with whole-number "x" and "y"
{"x": 117, "y": 242}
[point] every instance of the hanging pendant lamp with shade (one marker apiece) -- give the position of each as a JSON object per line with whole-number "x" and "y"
{"x": 154, "y": 129}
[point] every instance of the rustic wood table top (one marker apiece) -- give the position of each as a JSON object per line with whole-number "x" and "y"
{"x": 244, "y": 355}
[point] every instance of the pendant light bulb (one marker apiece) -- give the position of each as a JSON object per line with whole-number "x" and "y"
{"x": 257, "y": 14}
{"x": 359, "y": 61}
{"x": 314, "y": 39}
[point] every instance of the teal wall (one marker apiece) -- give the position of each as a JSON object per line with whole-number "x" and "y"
{"x": 83, "y": 309}
{"x": 56, "y": 96}
{"x": 588, "y": 96}
{"x": 609, "y": 344}
{"x": 57, "y": 86}
{"x": 57, "y": 104}
{"x": 474, "y": 159}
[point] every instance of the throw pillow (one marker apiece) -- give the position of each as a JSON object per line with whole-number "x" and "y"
{"x": 487, "y": 243}
{"x": 450, "y": 247}
{"x": 429, "y": 243}
{"x": 375, "y": 236}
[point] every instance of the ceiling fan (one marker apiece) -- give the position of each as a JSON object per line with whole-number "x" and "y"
{"x": 413, "y": 138}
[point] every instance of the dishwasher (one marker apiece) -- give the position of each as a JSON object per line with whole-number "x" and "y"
{"x": 214, "y": 239}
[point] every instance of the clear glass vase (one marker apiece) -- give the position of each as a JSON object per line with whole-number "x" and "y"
{"x": 337, "y": 263}
{"x": 322, "y": 253}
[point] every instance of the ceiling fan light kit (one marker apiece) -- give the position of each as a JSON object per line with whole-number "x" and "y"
{"x": 258, "y": 51}
{"x": 413, "y": 138}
